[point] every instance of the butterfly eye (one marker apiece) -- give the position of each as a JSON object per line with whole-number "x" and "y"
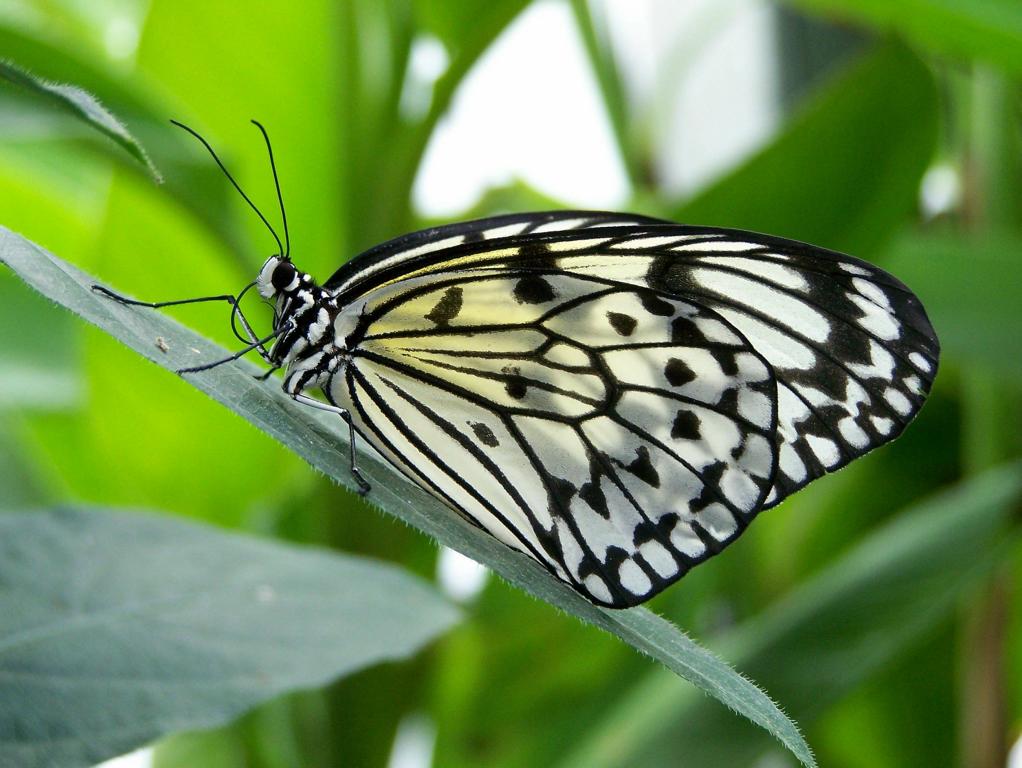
{"x": 283, "y": 275}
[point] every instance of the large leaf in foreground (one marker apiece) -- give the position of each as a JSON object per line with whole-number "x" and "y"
{"x": 318, "y": 439}
{"x": 120, "y": 628}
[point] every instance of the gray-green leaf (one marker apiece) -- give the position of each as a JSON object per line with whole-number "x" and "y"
{"x": 119, "y": 628}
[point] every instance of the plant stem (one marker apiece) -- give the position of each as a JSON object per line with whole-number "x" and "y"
{"x": 990, "y": 191}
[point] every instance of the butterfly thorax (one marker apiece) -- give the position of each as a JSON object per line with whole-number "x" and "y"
{"x": 304, "y": 315}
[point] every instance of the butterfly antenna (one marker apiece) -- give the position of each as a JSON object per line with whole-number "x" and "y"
{"x": 280, "y": 247}
{"x": 276, "y": 181}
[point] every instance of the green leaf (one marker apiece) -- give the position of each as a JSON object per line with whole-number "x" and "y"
{"x": 319, "y": 439}
{"x": 459, "y": 22}
{"x": 831, "y": 633}
{"x": 143, "y": 625}
{"x": 596, "y": 41}
{"x": 970, "y": 290}
{"x": 989, "y": 30}
{"x": 845, "y": 172}
{"x": 39, "y": 132}
{"x": 377, "y": 41}
{"x": 84, "y": 105}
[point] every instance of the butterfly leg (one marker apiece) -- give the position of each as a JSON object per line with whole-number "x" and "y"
{"x": 158, "y": 304}
{"x": 363, "y": 485}
{"x": 267, "y": 373}
{"x": 257, "y": 344}
{"x": 234, "y": 301}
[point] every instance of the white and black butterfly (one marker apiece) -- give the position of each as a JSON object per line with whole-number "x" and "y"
{"x": 614, "y": 395}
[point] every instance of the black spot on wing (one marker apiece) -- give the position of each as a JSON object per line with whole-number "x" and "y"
{"x": 710, "y": 492}
{"x": 533, "y": 290}
{"x": 613, "y": 558}
{"x": 623, "y": 324}
{"x": 561, "y": 493}
{"x": 728, "y": 401}
{"x": 593, "y": 495}
{"x": 642, "y": 467}
{"x": 685, "y": 333}
{"x": 648, "y": 530}
{"x": 655, "y": 305}
{"x": 515, "y": 386}
{"x": 484, "y": 434}
{"x": 535, "y": 254}
{"x": 678, "y": 373}
{"x": 447, "y": 308}
{"x": 552, "y": 546}
{"x": 686, "y": 426}
{"x": 726, "y": 360}
{"x": 661, "y": 276}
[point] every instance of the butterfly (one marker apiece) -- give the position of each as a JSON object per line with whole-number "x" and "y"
{"x": 614, "y": 395}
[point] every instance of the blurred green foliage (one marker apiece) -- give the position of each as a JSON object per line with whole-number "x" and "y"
{"x": 925, "y": 665}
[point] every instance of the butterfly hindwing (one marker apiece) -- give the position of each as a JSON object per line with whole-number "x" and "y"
{"x": 615, "y": 435}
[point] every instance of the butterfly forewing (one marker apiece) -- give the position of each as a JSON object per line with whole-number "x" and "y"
{"x": 852, "y": 351}
{"x": 618, "y": 396}
{"x": 401, "y": 257}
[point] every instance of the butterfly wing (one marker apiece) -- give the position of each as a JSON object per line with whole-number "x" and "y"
{"x": 398, "y": 258}
{"x": 847, "y": 349}
{"x": 617, "y": 436}
{"x": 852, "y": 350}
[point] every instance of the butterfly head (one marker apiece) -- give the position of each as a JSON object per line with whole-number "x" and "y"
{"x": 278, "y": 276}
